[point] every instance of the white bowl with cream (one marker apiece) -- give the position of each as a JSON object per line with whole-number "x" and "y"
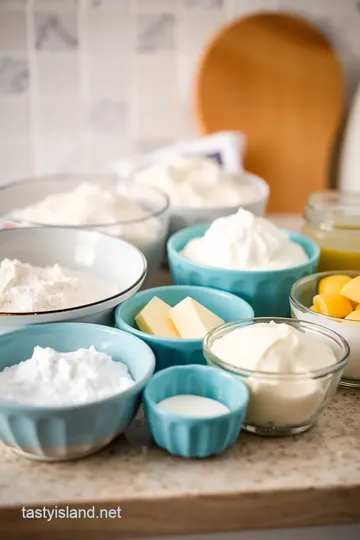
{"x": 113, "y": 269}
{"x": 201, "y": 191}
{"x": 292, "y": 368}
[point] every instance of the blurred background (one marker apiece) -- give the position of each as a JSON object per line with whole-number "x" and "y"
{"x": 86, "y": 82}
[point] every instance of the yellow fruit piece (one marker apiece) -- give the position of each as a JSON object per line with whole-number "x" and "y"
{"x": 353, "y": 316}
{"x": 313, "y": 308}
{"x": 333, "y": 305}
{"x": 352, "y": 290}
{"x": 357, "y": 307}
{"x": 333, "y": 284}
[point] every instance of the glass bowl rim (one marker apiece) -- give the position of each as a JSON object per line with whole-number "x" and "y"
{"x": 81, "y": 177}
{"x": 312, "y": 374}
{"x": 312, "y": 277}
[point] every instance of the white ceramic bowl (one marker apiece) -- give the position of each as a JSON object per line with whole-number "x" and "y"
{"x": 110, "y": 259}
{"x": 148, "y": 233}
{"x": 301, "y": 297}
{"x": 185, "y": 216}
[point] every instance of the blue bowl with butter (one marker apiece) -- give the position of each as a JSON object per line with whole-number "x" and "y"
{"x": 56, "y": 432}
{"x": 195, "y": 411}
{"x": 267, "y": 291}
{"x": 176, "y": 351}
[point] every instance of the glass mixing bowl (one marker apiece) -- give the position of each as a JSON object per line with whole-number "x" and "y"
{"x": 148, "y": 233}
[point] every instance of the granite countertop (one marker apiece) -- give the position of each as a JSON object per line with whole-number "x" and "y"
{"x": 310, "y": 479}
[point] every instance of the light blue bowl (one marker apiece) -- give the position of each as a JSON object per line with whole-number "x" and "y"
{"x": 62, "y": 433}
{"x": 174, "y": 352}
{"x": 192, "y": 437}
{"x": 266, "y": 291}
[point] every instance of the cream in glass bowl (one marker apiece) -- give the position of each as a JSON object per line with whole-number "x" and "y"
{"x": 292, "y": 369}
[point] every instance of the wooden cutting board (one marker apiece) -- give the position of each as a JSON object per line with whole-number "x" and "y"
{"x": 276, "y": 78}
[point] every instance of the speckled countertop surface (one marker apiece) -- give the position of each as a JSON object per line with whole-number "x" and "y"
{"x": 326, "y": 458}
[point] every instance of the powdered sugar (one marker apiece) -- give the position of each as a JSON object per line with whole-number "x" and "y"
{"x": 51, "y": 378}
{"x": 26, "y": 288}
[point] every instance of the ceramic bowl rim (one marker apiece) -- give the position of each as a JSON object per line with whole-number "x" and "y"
{"x": 39, "y": 314}
{"x": 263, "y": 196}
{"x": 135, "y": 388}
{"x": 83, "y": 177}
{"x": 294, "y": 236}
{"x": 312, "y": 277}
{"x": 244, "y": 392}
{"x": 328, "y": 333}
{"x": 164, "y": 340}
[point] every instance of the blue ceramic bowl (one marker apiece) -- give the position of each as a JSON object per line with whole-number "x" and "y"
{"x": 193, "y": 437}
{"x": 174, "y": 352}
{"x": 266, "y": 291}
{"x": 59, "y": 433}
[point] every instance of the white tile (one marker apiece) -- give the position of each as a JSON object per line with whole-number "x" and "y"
{"x": 155, "y": 76}
{"x": 14, "y": 74}
{"x": 15, "y": 159}
{"x": 107, "y": 76}
{"x": 202, "y": 5}
{"x": 56, "y": 4}
{"x": 108, "y": 116}
{"x": 55, "y": 30}
{"x": 149, "y": 6}
{"x": 237, "y": 8}
{"x": 58, "y": 74}
{"x": 207, "y": 24}
{"x": 13, "y": 4}
{"x": 14, "y": 118}
{"x": 156, "y": 32}
{"x": 60, "y": 155}
{"x": 13, "y": 32}
{"x": 57, "y": 118}
{"x": 108, "y": 33}
{"x": 123, "y": 5}
{"x": 105, "y": 151}
{"x": 158, "y": 119}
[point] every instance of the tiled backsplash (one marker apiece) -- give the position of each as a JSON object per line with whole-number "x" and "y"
{"x": 84, "y": 82}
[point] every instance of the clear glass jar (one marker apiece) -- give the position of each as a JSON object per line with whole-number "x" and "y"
{"x": 332, "y": 220}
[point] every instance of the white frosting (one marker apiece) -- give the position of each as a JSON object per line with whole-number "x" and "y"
{"x": 198, "y": 182}
{"x": 278, "y": 349}
{"x": 244, "y": 241}
{"x": 26, "y": 288}
{"x": 53, "y": 378}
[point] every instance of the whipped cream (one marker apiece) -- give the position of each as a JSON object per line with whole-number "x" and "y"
{"x": 244, "y": 241}
{"x": 26, "y": 288}
{"x": 199, "y": 182}
{"x": 279, "y": 349}
{"x": 56, "y": 379}
{"x": 90, "y": 204}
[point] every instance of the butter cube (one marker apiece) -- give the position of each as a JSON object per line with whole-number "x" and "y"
{"x": 154, "y": 319}
{"x": 192, "y": 320}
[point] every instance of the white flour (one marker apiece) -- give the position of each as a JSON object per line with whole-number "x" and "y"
{"x": 51, "y": 378}
{"x": 26, "y": 288}
{"x": 91, "y": 205}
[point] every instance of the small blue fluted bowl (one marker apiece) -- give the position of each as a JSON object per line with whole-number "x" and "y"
{"x": 174, "y": 352}
{"x": 266, "y": 291}
{"x": 63, "y": 433}
{"x": 192, "y": 437}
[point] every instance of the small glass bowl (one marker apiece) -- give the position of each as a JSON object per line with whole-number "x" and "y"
{"x": 301, "y": 298}
{"x": 303, "y": 396}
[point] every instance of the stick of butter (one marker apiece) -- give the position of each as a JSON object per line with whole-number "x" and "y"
{"x": 192, "y": 320}
{"x": 154, "y": 319}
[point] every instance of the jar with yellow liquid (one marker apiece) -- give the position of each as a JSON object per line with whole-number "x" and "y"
{"x": 332, "y": 220}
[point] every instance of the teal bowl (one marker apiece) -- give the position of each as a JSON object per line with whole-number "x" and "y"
{"x": 63, "y": 433}
{"x": 175, "y": 352}
{"x": 266, "y": 291}
{"x": 194, "y": 437}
